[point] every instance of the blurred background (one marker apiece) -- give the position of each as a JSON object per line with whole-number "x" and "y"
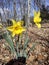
{"x": 21, "y": 9}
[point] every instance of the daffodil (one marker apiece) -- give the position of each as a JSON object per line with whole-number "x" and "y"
{"x": 37, "y": 19}
{"x": 16, "y": 28}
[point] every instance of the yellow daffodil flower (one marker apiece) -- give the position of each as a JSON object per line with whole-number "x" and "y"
{"x": 16, "y": 28}
{"x": 37, "y": 19}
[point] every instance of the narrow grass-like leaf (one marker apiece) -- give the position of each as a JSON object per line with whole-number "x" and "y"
{"x": 25, "y": 45}
{"x": 17, "y": 44}
{"x": 9, "y": 41}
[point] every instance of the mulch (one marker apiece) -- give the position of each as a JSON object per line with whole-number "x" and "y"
{"x": 39, "y": 55}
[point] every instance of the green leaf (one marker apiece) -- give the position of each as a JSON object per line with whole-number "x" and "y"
{"x": 9, "y": 41}
{"x": 25, "y": 45}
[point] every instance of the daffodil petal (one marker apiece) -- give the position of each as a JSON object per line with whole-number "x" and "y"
{"x": 11, "y": 28}
{"x": 38, "y": 25}
{"x": 13, "y": 21}
{"x": 13, "y": 34}
{"x": 37, "y": 19}
{"x": 20, "y": 22}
